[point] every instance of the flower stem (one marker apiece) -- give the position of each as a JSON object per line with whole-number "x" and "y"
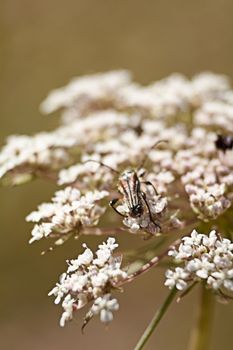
{"x": 200, "y": 337}
{"x": 155, "y": 320}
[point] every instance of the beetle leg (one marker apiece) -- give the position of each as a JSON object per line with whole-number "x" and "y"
{"x": 149, "y": 211}
{"x": 141, "y": 172}
{"x": 148, "y": 183}
{"x": 112, "y": 204}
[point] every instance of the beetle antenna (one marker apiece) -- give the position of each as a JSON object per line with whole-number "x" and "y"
{"x": 146, "y": 156}
{"x": 102, "y": 164}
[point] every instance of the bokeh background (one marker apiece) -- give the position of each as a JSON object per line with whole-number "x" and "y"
{"x": 43, "y": 44}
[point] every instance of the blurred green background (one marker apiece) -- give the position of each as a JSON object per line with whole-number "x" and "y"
{"x": 43, "y": 45}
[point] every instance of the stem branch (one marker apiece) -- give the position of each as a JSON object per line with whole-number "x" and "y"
{"x": 146, "y": 267}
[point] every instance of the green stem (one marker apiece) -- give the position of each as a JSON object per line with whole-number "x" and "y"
{"x": 200, "y": 337}
{"x": 155, "y": 320}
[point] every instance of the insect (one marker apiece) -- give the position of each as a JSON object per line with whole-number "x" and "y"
{"x": 130, "y": 187}
{"x": 224, "y": 143}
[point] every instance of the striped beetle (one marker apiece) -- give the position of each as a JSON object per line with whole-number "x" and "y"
{"x": 129, "y": 186}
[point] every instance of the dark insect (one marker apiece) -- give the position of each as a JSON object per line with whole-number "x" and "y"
{"x": 129, "y": 186}
{"x": 138, "y": 129}
{"x": 224, "y": 143}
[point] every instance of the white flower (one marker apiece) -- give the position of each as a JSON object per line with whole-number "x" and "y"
{"x": 68, "y": 212}
{"x": 78, "y": 171}
{"x": 44, "y": 210}
{"x": 208, "y": 258}
{"x": 59, "y": 290}
{"x": 176, "y": 278}
{"x": 67, "y": 195}
{"x": 83, "y": 259}
{"x": 104, "y": 306}
{"x": 105, "y": 251}
{"x": 90, "y": 279}
{"x": 208, "y": 86}
{"x": 40, "y": 231}
{"x": 41, "y": 150}
{"x": 85, "y": 89}
{"x": 216, "y": 113}
{"x": 67, "y": 305}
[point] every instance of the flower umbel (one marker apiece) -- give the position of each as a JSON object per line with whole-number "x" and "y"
{"x": 105, "y": 151}
{"x": 68, "y": 213}
{"x": 90, "y": 278}
{"x": 207, "y": 258}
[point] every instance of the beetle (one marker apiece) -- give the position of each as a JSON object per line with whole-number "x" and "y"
{"x": 129, "y": 186}
{"x": 224, "y": 143}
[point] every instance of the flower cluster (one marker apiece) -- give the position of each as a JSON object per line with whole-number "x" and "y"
{"x": 161, "y": 155}
{"x": 207, "y": 258}
{"x": 90, "y": 278}
{"x": 32, "y": 154}
{"x": 43, "y": 153}
{"x": 87, "y": 174}
{"x": 216, "y": 114}
{"x": 173, "y": 95}
{"x": 82, "y": 95}
{"x": 108, "y": 118}
{"x": 68, "y": 213}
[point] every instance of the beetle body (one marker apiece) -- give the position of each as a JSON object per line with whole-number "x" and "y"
{"x": 130, "y": 188}
{"x": 224, "y": 143}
